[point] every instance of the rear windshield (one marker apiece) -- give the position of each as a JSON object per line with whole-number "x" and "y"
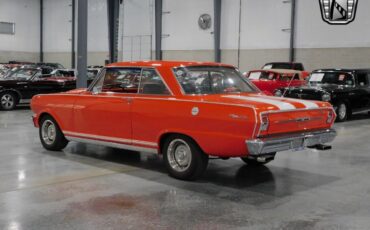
{"x": 278, "y": 66}
{"x": 211, "y": 80}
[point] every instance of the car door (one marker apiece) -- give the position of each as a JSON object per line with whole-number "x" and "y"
{"x": 150, "y": 109}
{"x": 104, "y": 113}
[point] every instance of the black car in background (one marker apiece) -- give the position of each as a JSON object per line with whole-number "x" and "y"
{"x": 348, "y": 90}
{"x": 21, "y": 84}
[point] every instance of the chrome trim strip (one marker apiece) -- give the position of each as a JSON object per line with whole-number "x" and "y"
{"x": 113, "y": 145}
{"x": 106, "y": 138}
{"x": 263, "y": 146}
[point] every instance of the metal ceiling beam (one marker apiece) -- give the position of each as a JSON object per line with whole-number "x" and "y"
{"x": 217, "y": 29}
{"x": 292, "y": 31}
{"x": 158, "y": 29}
{"x": 82, "y": 43}
{"x": 113, "y": 28}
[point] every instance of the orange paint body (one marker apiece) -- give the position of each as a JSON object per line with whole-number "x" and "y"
{"x": 222, "y": 125}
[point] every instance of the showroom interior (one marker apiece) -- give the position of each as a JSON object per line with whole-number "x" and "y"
{"x": 154, "y": 148}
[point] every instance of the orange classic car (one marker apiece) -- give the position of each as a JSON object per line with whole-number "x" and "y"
{"x": 186, "y": 111}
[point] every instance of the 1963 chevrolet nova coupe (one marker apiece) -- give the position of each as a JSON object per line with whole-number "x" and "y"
{"x": 186, "y": 111}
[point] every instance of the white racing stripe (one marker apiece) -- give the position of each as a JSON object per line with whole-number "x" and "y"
{"x": 273, "y": 101}
{"x": 308, "y": 104}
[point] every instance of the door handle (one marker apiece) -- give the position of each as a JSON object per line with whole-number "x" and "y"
{"x": 128, "y": 100}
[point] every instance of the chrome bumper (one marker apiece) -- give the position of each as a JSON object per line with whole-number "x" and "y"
{"x": 263, "y": 146}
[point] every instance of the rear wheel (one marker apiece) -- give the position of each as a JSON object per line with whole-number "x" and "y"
{"x": 342, "y": 112}
{"x": 183, "y": 158}
{"x": 262, "y": 160}
{"x": 51, "y": 136}
{"x": 8, "y": 100}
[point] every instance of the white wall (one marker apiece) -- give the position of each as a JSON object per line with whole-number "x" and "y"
{"x": 58, "y": 31}
{"x": 312, "y": 32}
{"x": 25, "y": 15}
{"x": 181, "y": 24}
{"x": 57, "y": 25}
{"x": 261, "y": 34}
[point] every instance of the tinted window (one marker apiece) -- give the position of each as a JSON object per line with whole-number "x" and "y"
{"x": 362, "y": 79}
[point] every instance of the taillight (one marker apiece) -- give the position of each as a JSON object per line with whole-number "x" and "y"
{"x": 264, "y": 123}
{"x": 331, "y": 117}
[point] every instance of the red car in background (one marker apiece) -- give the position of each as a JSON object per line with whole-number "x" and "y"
{"x": 287, "y": 65}
{"x": 270, "y": 80}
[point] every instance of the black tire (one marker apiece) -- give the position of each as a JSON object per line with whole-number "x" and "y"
{"x": 254, "y": 162}
{"x": 8, "y": 100}
{"x": 51, "y": 136}
{"x": 342, "y": 112}
{"x": 183, "y": 158}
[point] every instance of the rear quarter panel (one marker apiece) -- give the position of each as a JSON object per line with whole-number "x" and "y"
{"x": 220, "y": 130}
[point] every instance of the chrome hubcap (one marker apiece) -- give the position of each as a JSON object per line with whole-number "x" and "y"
{"x": 179, "y": 155}
{"x": 342, "y": 111}
{"x": 48, "y": 132}
{"x": 7, "y": 101}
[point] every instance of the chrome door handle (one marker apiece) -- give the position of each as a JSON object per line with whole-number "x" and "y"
{"x": 128, "y": 100}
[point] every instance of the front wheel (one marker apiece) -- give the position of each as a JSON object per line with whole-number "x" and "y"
{"x": 342, "y": 112}
{"x": 51, "y": 136}
{"x": 8, "y": 101}
{"x": 183, "y": 158}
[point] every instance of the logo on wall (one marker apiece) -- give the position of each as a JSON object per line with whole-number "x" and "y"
{"x": 338, "y": 12}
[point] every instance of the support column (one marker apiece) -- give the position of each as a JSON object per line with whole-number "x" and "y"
{"x": 82, "y": 44}
{"x": 73, "y": 37}
{"x": 113, "y": 28}
{"x": 292, "y": 32}
{"x": 158, "y": 29}
{"x": 41, "y": 30}
{"x": 217, "y": 29}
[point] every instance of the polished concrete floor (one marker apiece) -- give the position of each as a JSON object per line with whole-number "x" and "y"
{"x": 92, "y": 187}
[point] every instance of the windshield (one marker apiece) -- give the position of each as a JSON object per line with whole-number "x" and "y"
{"x": 262, "y": 76}
{"x": 63, "y": 73}
{"x": 337, "y": 78}
{"x": 22, "y": 74}
{"x": 211, "y": 80}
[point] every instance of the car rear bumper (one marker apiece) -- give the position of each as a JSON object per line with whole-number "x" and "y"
{"x": 262, "y": 146}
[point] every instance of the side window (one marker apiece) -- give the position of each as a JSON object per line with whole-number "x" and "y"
{"x": 362, "y": 79}
{"x": 152, "y": 83}
{"x": 119, "y": 80}
{"x": 296, "y": 77}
